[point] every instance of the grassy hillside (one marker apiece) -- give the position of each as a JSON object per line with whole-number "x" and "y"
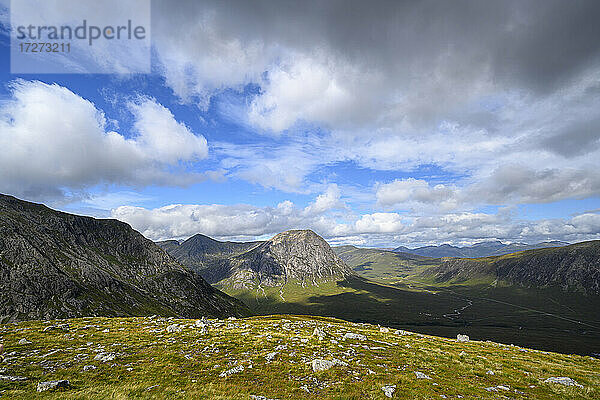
{"x": 272, "y": 358}
{"x": 488, "y": 308}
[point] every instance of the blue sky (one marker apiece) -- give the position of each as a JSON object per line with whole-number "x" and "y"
{"x": 252, "y": 123}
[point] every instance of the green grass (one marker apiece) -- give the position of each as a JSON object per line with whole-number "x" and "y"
{"x": 187, "y": 364}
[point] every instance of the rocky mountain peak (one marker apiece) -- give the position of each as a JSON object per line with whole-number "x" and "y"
{"x": 296, "y": 254}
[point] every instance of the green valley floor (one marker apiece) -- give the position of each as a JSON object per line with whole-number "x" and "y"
{"x": 274, "y": 357}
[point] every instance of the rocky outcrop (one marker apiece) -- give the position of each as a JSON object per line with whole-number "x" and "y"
{"x": 59, "y": 265}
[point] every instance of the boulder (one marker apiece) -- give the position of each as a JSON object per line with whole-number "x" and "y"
{"x": 52, "y": 385}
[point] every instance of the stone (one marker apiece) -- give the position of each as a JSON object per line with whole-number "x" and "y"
{"x": 319, "y": 333}
{"x": 52, "y": 385}
{"x": 389, "y": 390}
{"x": 383, "y": 329}
{"x": 462, "y": 338}
{"x": 563, "y": 380}
{"x": 271, "y": 356}
{"x": 24, "y": 341}
{"x": 323, "y": 365}
{"x": 421, "y": 375}
{"x": 231, "y": 371}
{"x": 89, "y": 367}
{"x": 173, "y": 328}
{"x": 356, "y": 336}
{"x": 12, "y": 378}
{"x": 105, "y": 357}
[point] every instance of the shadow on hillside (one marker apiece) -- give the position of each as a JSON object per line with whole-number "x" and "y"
{"x": 423, "y": 312}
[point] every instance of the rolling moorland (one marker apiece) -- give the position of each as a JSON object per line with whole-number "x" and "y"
{"x": 410, "y": 292}
{"x": 274, "y": 357}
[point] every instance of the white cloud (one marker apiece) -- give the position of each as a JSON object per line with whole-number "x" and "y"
{"x": 406, "y": 191}
{"x": 247, "y": 222}
{"x": 54, "y": 140}
{"x": 326, "y": 201}
{"x": 162, "y": 136}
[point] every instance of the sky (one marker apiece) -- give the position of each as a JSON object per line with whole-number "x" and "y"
{"x": 372, "y": 123}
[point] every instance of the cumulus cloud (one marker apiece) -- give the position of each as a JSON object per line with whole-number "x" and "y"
{"x": 247, "y": 222}
{"x": 326, "y": 201}
{"x": 406, "y": 191}
{"x": 53, "y": 140}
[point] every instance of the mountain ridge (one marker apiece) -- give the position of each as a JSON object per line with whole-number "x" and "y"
{"x": 574, "y": 267}
{"x": 482, "y": 249}
{"x": 59, "y": 265}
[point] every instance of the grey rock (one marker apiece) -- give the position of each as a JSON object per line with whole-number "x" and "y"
{"x": 323, "y": 365}
{"x": 389, "y": 390}
{"x": 52, "y": 385}
{"x": 89, "y": 367}
{"x": 356, "y": 336}
{"x": 12, "y": 378}
{"x": 105, "y": 357}
{"x": 231, "y": 371}
{"x": 462, "y": 338}
{"x": 563, "y": 380}
{"x": 319, "y": 333}
{"x": 421, "y": 375}
{"x": 23, "y": 341}
{"x": 271, "y": 356}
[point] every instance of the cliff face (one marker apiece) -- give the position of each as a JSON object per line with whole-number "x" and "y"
{"x": 572, "y": 268}
{"x": 298, "y": 254}
{"x": 58, "y": 265}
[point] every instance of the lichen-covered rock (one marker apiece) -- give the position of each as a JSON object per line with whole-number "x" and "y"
{"x": 52, "y": 385}
{"x": 323, "y": 365}
{"x": 563, "y": 380}
{"x": 462, "y": 338}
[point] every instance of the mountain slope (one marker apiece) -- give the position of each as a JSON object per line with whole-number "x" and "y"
{"x": 573, "y": 268}
{"x": 207, "y": 256}
{"x": 298, "y": 255}
{"x": 483, "y": 249}
{"x": 57, "y": 265}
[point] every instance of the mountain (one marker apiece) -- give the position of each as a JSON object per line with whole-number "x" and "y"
{"x": 483, "y": 249}
{"x": 573, "y": 268}
{"x": 59, "y": 265}
{"x": 208, "y": 257}
{"x": 168, "y": 245}
{"x": 295, "y": 255}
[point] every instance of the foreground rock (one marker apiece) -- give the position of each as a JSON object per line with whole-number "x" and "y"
{"x": 323, "y": 365}
{"x": 389, "y": 390}
{"x": 52, "y": 385}
{"x": 563, "y": 380}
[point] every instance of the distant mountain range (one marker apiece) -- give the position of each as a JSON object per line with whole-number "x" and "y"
{"x": 483, "y": 249}
{"x": 59, "y": 265}
{"x": 296, "y": 255}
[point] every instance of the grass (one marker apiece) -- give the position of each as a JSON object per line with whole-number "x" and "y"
{"x": 187, "y": 364}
